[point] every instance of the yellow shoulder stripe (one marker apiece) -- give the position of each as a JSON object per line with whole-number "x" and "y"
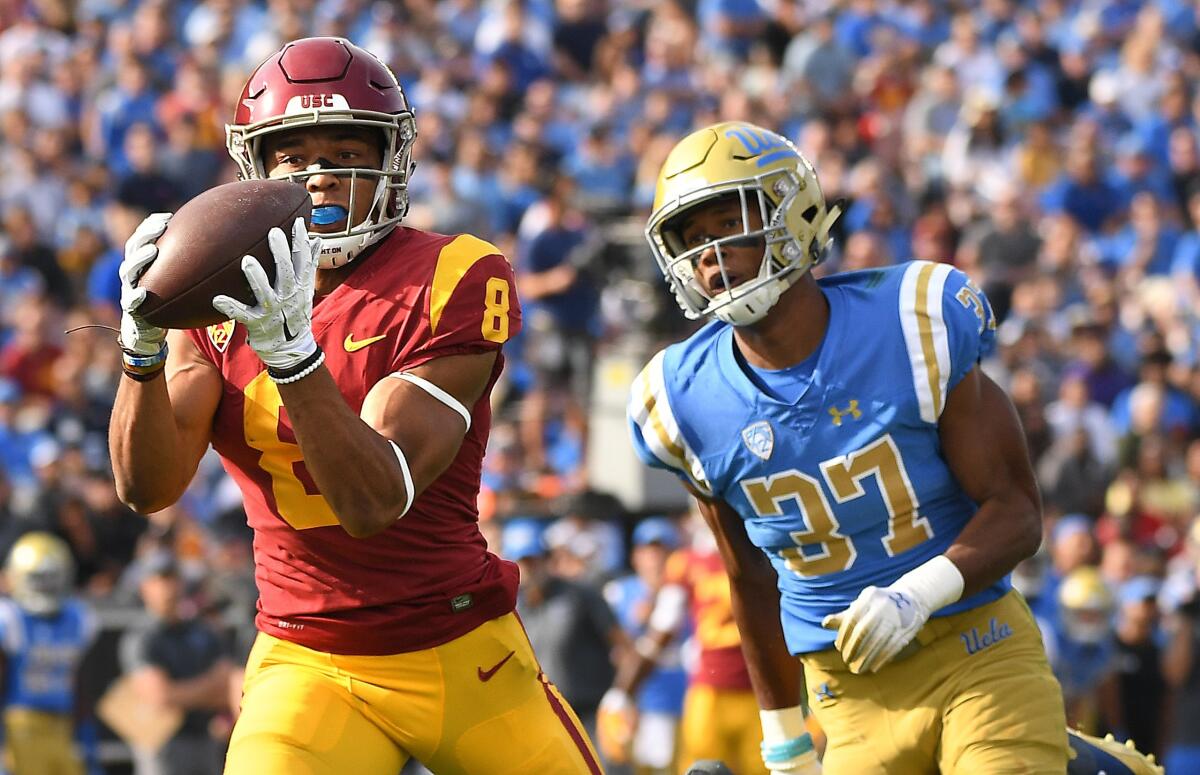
{"x": 454, "y": 261}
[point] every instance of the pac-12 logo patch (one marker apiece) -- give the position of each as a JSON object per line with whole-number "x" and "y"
{"x": 219, "y": 334}
{"x": 759, "y": 438}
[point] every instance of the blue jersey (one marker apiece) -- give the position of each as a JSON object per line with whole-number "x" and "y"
{"x": 663, "y": 689}
{"x": 43, "y": 654}
{"x": 842, "y": 484}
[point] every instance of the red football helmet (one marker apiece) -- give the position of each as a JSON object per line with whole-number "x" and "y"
{"x": 330, "y": 81}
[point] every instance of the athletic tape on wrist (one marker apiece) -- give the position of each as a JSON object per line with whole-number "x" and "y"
{"x": 408, "y": 482}
{"x": 436, "y": 392}
{"x": 780, "y": 724}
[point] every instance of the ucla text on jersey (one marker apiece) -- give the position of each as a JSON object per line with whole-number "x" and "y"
{"x": 844, "y": 485}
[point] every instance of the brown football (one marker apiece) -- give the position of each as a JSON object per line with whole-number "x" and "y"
{"x": 200, "y": 253}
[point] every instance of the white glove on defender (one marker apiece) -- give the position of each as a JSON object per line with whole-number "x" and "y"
{"x": 882, "y": 621}
{"x": 280, "y": 327}
{"x": 138, "y": 336}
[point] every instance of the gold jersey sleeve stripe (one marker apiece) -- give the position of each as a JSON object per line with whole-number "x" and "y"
{"x": 454, "y": 261}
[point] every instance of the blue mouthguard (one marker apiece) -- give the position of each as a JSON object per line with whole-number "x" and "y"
{"x": 327, "y": 214}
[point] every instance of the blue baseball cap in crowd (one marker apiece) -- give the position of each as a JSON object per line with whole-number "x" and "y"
{"x": 1139, "y": 589}
{"x": 1068, "y": 525}
{"x": 522, "y": 538}
{"x": 656, "y": 530}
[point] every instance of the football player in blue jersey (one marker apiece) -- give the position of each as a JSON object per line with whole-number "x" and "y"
{"x": 868, "y": 485}
{"x": 44, "y": 635}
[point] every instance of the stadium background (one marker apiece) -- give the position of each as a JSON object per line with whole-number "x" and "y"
{"x": 1048, "y": 148}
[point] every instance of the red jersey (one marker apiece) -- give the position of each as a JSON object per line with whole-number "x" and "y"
{"x": 428, "y": 578}
{"x": 720, "y": 663}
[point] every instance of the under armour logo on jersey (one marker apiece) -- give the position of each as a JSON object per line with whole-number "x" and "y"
{"x": 852, "y": 410}
{"x": 759, "y": 438}
{"x": 825, "y": 694}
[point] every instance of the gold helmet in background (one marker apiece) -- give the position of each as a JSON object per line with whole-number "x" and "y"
{"x": 765, "y": 172}
{"x": 40, "y": 572}
{"x": 1086, "y": 605}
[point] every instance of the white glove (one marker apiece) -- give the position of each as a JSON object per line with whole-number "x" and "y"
{"x": 138, "y": 336}
{"x": 279, "y": 328}
{"x": 882, "y": 621}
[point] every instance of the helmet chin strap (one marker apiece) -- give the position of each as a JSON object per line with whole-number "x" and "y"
{"x": 340, "y": 249}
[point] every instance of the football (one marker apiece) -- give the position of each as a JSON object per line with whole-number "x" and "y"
{"x": 200, "y": 253}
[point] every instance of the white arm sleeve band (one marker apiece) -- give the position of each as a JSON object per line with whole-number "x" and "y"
{"x": 408, "y": 484}
{"x": 437, "y": 393}
{"x": 670, "y": 607}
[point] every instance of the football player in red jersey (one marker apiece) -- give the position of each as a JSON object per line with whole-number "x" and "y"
{"x": 351, "y": 407}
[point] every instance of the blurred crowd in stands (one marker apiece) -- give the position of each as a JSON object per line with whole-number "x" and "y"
{"x": 1049, "y": 148}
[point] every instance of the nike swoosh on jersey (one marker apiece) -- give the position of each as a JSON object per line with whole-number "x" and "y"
{"x": 353, "y": 346}
{"x": 486, "y": 675}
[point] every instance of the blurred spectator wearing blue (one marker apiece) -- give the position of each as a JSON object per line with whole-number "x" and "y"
{"x": 730, "y": 27}
{"x": 1141, "y": 688}
{"x": 1082, "y": 193}
{"x": 1071, "y": 546}
{"x": 603, "y": 173}
{"x": 176, "y": 664}
{"x": 122, "y": 216}
{"x": 560, "y": 303}
{"x": 1159, "y": 405}
{"x": 818, "y": 69}
{"x": 659, "y": 699}
{"x": 1146, "y": 245}
{"x": 1181, "y": 668}
{"x": 570, "y": 626}
{"x": 1104, "y": 110}
{"x": 1138, "y": 171}
{"x": 1185, "y": 263}
{"x": 131, "y": 100}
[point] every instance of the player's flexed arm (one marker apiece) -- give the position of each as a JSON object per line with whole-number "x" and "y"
{"x": 984, "y": 446}
{"x": 369, "y": 467}
{"x": 162, "y": 417}
{"x": 776, "y": 675}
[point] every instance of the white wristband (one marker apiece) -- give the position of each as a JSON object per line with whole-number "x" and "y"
{"x": 408, "y": 483}
{"x": 936, "y": 583}
{"x": 782, "y": 724}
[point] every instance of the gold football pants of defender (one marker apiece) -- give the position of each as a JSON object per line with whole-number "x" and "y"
{"x": 721, "y": 724}
{"x": 38, "y": 743}
{"x": 976, "y": 698}
{"x": 478, "y": 704}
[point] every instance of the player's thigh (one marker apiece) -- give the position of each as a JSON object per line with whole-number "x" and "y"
{"x": 721, "y": 725}
{"x": 298, "y": 720}
{"x": 877, "y": 723}
{"x": 502, "y": 715}
{"x": 40, "y": 744}
{"x": 1006, "y": 712}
